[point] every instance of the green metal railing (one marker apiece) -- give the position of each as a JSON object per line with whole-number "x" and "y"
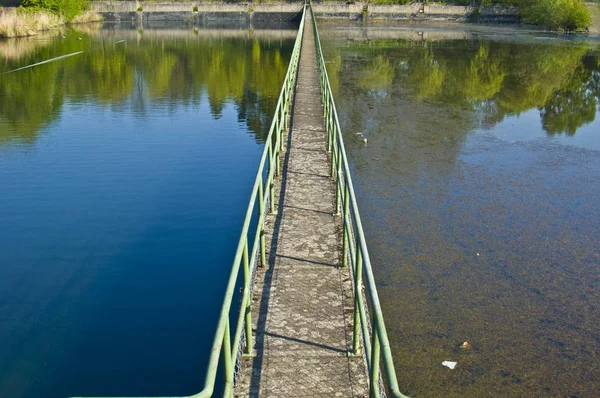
{"x": 367, "y": 309}
{"x": 246, "y": 257}
{"x": 369, "y": 325}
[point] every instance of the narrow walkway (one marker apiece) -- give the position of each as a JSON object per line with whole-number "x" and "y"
{"x": 302, "y": 304}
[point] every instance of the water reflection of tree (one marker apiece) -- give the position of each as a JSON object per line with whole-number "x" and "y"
{"x": 575, "y": 104}
{"x": 248, "y": 73}
{"x": 497, "y": 79}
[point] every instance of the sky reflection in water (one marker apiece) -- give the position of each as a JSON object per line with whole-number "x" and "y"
{"x": 125, "y": 173}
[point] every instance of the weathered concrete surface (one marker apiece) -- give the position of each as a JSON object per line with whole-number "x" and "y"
{"x": 194, "y": 12}
{"x": 416, "y": 11}
{"x": 246, "y": 12}
{"x": 302, "y": 304}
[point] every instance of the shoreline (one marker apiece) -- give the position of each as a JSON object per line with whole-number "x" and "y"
{"x": 263, "y": 14}
{"x": 15, "y": 22}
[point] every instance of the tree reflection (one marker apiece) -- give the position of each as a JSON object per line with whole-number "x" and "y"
{"x": 496, "y": 79}
{"x": 248, "y": 73}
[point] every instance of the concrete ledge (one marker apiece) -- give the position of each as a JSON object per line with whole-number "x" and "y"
{"x": 112, "y": 11}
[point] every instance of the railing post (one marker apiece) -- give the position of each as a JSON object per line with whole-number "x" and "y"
{"x": 345, "y": 222}
{"x": 333, "y": 152}
{"x": 270, "y": 175}
{"x": 271, "y": 155}
{"x": 261, "y": 206}
{"x": 375, "y": 352}
{"x": 288, "y": 103}
{"x": 278, "y": 119}
{"x": 248, "y": 310}
{"x": 227, "y": 362}
{"x": 328, "y": 129}
{"x": 282, "y": 129}
{"x": 277, "y": 161}
{"x": 357, "y": 291}
{"x": 338, "y": 173}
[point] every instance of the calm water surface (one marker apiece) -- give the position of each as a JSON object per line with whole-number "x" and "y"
{"x": 125, "y": 172}
{"x": 479, "y": 192}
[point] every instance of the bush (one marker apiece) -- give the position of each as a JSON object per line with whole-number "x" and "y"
{"x": 556, "y": 14}
{"x": 67, "y": 8}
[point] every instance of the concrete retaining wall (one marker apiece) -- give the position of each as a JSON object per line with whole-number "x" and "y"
{"x": 183, "y": 11}
{"x": 207, "y": 13}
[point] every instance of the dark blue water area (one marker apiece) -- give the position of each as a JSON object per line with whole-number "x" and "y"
{"x": 117, "y": 233}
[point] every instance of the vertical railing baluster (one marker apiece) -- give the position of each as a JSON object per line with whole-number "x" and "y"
{"x": 261, "y": 213}
{"x": 357, "y": 291}
{"x": 227, "y": 362}
{"x": 334, "y": 150}
{"x": 375, "y": 352}
{"x": 281, "y": 131}
{"x": 329, "y": 133}
{"x": 338, "y": 197}
{"x": 277, "y": 145}
{"x": 270, "y": 174}
{"x": 345, "y": 226}
{"x": 248, "y": 309}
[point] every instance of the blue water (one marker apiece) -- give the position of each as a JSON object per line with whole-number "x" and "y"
{"x": 118, "y": 223}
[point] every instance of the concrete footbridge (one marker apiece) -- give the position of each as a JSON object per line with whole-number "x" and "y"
{"x": 301, "y": 316}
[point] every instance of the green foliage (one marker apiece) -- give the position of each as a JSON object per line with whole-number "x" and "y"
{"x": 67, "y": 8}
{"x": 567, "y": 15}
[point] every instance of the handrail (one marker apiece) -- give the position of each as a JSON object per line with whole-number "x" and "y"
{"x": 264, "y": 190}
{"x": 354, "y": 247}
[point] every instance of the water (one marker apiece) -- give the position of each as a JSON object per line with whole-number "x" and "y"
{"x": 125, "y": 173}
{"x": 478, "y": 188}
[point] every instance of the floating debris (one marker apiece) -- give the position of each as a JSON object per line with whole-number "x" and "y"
{"x": 449, "y": 364}
{"x": 465, "y": 345}
{"x": 44, "y": 62}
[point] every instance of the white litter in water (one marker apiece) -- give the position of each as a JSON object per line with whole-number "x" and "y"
{"x": 449, "y": 364}
{"x": 120, "y": 41}
{"x": 44, "y": 62}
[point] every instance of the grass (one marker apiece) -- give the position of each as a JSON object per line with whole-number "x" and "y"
{"x": 87, "y": 17}
{"x": 17, "y": 22}
{"x": 595, "y": 14}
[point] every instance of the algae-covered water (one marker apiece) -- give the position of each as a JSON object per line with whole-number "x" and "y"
{"x": 478, "y": 188}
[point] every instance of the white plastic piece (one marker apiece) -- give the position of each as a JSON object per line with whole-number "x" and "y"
{"x": 449, "y": 364}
